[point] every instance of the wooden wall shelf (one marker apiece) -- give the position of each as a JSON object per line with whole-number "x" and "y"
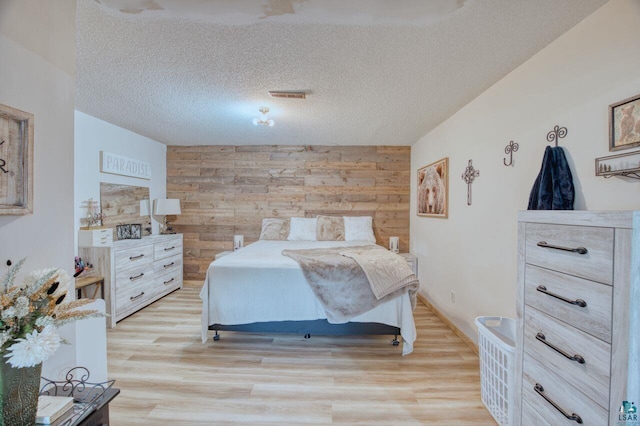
{"x": 627, "y": 165}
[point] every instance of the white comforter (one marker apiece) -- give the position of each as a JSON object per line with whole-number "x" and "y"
{"x": 258, "y": 284}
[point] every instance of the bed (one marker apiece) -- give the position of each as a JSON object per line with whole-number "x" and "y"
{"x": 257, "y": 288}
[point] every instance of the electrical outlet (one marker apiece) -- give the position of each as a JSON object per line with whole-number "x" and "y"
{"x": 453, "y": 296}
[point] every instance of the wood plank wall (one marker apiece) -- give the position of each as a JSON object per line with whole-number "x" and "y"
{"x": 228, "y": 190}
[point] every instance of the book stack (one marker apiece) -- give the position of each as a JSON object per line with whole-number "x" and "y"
{"x": 51, "y": 408}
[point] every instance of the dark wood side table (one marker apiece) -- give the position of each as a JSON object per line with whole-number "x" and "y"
{"x": 100, "y": 417}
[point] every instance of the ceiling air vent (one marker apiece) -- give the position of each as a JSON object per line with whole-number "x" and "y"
{"x": 288, "y": 94}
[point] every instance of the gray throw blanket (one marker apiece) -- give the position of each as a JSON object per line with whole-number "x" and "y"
{"x": 339, "y": 278}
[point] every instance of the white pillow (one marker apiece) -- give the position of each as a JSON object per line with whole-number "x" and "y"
{"x": 359, "y": 228}
{"x": 302, "y": 229}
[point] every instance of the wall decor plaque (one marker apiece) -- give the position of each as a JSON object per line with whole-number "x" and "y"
{"x": 16, "y": 161}
{"x": 125, "y": 166}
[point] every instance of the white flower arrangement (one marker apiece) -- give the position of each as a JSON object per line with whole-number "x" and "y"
{"x": 30, "y": 315}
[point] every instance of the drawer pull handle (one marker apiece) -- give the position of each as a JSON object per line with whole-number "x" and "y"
{"x": 170, "y": 264}
{"x": 577, "y": 302}
{"x": 140, "y": 256}
{"x": 579, "y": 250}
{"x": 577, "y": 358}
{"x": 132, "y": 298}
{"x": 167, "y": 282}
{"x": 140, "y": 275}
{"x": 573, "y": 416}
{"x": 169, "y": 248}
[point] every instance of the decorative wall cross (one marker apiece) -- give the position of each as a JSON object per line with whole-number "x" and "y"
{"x": 468, "y": 176}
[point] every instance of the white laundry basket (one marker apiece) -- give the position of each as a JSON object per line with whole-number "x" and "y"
{"x": 496, "y": 344}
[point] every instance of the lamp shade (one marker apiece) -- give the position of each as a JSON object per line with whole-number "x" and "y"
{"x": 144, "y": 208}
{"x": 167, "y": 206}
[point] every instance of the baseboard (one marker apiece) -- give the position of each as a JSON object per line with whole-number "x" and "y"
{"x": 472, "y": 345}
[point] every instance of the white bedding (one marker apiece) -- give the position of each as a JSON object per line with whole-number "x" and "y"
{"x": 258, "y": 284}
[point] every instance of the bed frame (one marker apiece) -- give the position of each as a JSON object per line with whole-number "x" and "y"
{"x": 320, "y": 327}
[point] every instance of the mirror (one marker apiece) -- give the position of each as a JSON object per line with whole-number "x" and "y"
{"x": 121, "y": 205}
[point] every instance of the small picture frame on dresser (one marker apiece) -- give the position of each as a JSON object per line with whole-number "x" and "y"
{"x": 136, "y": 231}
{"x": 123, "y": 232}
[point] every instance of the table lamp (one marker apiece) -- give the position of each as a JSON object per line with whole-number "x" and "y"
{"x": 167, "y": 207}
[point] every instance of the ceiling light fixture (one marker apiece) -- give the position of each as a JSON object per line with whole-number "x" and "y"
{"x": 264, "y": 120}
{"x": 288, "y": 94}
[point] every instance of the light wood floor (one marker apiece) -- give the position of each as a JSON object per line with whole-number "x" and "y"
{"x": 168, "y": 377}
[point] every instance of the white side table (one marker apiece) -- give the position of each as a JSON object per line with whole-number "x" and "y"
{"x": 222, "y": 254}
{"x": 412, "y": 260}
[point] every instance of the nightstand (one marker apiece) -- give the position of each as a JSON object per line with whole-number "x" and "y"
{"x": 412, "y": 260}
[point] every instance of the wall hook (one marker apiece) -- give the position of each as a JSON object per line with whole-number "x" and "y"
{"x": 510, "y": 149}
{"x": 557, "y": 133}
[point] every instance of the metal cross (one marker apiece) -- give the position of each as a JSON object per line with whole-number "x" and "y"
{"x": 468, "y": 176}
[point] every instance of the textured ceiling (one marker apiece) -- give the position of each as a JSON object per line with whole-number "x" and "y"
{"x": 378, "y": 72}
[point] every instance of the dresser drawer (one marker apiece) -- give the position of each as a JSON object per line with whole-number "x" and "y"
{"x": 131, "y": 257}
{"x": 591, "y": 376}
{"x": 167, "y": 248}
{"x": 133, "y": 277}
{"x": 566, "y": 396}
{"x": 594, "y": 318}
{"x": 596, "y": 264}
{"x": 131, "y": 299}
{"x": 168, "y": 282}
{"x": 173, "y": 263}
{"x": 95, "y": 237}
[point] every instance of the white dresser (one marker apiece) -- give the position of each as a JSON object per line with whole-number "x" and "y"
{"x": 136, "y": 272}
{"x": 578, "y": 317}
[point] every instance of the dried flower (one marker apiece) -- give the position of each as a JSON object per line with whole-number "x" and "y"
{"x": 30, "y": 314}
{"x": 34, "y": 348}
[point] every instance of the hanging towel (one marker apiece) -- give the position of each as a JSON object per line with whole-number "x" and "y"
{"x": 553, "y": 188}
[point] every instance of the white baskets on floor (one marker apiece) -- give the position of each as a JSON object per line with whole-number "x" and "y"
{"x": 496, "y": 344}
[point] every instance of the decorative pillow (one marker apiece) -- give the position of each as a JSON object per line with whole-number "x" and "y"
{"x": 359, "y": 228}
{"x": 330, "y": 228}
{"x": 274, "y": 228}
{"x": 302, "y": 229}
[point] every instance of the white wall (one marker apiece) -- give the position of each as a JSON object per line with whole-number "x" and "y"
{"x": 569, "y": 83}
{"x": 37, "y": 50}
{"x": 93, "y": 135}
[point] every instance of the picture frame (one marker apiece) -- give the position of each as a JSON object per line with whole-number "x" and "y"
{"x": 624, "y": 124}
{"x": 433, "y": 189}
{"x": 123, "y": 232}
{"x": 16, "y": 162}
{"x": 136, "y": 231}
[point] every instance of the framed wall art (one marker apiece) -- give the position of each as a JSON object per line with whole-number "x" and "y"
{"x": 136, "y": 231}
{"x": 624, "y": 124}
{"x": 16, "y": 161}
{"x": 433, "y": 189}
{"x": 123, "y": 232}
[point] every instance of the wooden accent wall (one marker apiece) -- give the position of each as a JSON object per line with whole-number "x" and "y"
{"x": 228, "y": 190}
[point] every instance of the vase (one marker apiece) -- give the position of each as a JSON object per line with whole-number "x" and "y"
{"x": 18, "y": 394}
